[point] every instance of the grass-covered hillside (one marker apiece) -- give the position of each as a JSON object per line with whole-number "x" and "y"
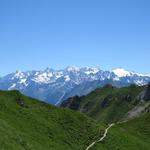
{"x": 132, "y": 135}
{"x": 110, "y": 104}
{"x": 27, "y": 124}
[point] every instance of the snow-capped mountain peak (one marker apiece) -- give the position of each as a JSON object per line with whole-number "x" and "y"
{"x": 19, "y": 74}
{"x": 72, "y": 68}
{"x": 42, "y": 78}
{"x": 120, "y": 72}
{"x": 92, "y": 70}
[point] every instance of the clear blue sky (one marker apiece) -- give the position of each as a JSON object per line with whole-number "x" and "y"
{"x": 35, "y": 34}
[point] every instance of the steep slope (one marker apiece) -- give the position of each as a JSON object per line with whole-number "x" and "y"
{"x": 132, "y": 135}
{"x": 54, "y": 86}
{"x": 110, "y": 104}
{"x": 27, "y": 124}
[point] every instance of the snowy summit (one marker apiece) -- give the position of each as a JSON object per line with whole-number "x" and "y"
{"x": 120, "y": 72}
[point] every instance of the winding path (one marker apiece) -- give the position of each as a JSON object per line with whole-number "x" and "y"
{"x": 102, "y": 138}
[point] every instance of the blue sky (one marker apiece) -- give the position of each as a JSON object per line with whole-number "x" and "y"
{"x": 35, "y": 34}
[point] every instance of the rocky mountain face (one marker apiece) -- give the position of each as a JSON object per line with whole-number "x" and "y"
{"x": 54, "y": 86}
{"x": 147, "y": 93}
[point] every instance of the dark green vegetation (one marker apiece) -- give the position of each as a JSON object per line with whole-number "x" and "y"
{"x": 27, "y": 124}
{"x": 127, "y": 107}
{"x": 108, "y": 104}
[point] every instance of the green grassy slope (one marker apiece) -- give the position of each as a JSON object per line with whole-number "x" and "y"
{"x": 27, "y": 124}
{"x": 107, "y": 104}
{"x": 132, "y": 135}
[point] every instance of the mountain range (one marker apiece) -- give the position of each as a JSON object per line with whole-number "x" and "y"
{"x": 55, "y": 86}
